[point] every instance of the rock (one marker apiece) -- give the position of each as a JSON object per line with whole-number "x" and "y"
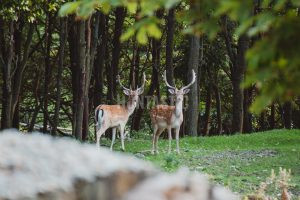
{"x": 40, "y": 167}
{"x": 183, "y": 185}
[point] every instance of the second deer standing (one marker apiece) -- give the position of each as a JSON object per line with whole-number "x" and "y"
{"x": 168, "y": 117}
{"x": 116, "y": 116}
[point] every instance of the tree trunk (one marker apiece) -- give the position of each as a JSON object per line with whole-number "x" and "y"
{"x": 262, "y": 121}
{"x": 12, "y": 76}
{"x": 219, "y": 109}
{"x": 247, "y": 121}
{"x": 272, "y": 117}
{"x": 193, "y": 107}
{"x": 82, "y": 76}
{"x": 100, "y": 60}
{"x": 48, "y": 70}
{"x": 169, "y": 46}
{"x": 237, "y": 78}
{"x": 62, "y": 41}
{"x": 6, "y": 59}
{"x": 74, "y": 65}
{"x": 120, "y": 14}
{"x": 92, "y": 41}
{"x": 207, "y": 110}
{"x": 287, "y": 115}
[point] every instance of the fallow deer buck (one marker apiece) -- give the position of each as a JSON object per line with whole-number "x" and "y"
{"x": 116, "y": 116}
{"x": 168, "y": 117}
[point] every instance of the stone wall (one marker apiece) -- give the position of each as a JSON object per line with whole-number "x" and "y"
{"x": 36, "y": 166}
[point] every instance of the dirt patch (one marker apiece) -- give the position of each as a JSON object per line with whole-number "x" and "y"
{"x": 244, "y": 155}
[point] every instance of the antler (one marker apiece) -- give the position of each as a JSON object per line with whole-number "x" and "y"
{"x": 124, "y": 88}
{"x": 168, "y": 85}
{"x": 191, "y": 83}
{"x": 143, "y": 84}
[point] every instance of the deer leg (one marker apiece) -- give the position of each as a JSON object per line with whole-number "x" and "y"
{"x": 158, "y": 133}
{"x": 177, "y": 140}
{"x": 122, "y": 137}
{"x": 114, "y": 131}
{"x": 99, "y": 133}
{"x": 170, "y": 139}
{"x": 153, "y": 139}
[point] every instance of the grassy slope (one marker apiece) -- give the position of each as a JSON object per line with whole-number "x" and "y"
{"x": 240, "y": 162}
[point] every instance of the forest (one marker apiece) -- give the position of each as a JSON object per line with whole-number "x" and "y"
{"x": 224, "y": 75}
{"x": 56, "y": 70}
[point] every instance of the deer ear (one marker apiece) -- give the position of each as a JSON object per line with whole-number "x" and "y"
{"x": 185, "y": 91}
{"x": 140, "y": 91}
{"x": 126, "y": 92}
{"x": 171, "y": 91}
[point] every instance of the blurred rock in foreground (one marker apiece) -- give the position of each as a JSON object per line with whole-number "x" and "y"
{"x": 36, "y": 166}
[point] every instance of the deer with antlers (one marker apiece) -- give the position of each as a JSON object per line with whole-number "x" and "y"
{"x": 116, "y": 116}
{"x": 169, "y": 117}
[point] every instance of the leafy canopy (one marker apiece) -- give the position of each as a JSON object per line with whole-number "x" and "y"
{"x": 273, "y": 63}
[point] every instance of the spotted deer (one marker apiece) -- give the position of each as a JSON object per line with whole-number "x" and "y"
{"x": 169, "y": 117}
{"x": 116, "y": 116}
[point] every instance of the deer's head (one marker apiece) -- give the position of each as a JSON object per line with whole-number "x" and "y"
{"x": 179, "y": 93}
{"x": 133, "y": 94}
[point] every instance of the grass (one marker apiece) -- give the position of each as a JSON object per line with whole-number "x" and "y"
{"x": 240, "y": 162}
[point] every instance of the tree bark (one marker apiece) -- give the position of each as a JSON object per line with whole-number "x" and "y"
{"x": 78, "y": 118}
{"x": 92, "y": 41}
{"x": 247, "y": 121}
{"x": 207, "y": 110}
{"x": 74, "y": 65}
{"x": 99, "y": 64}
{"x": 219, "y": 109}
{"x": 287, "y": 115}
{"x": 170, "y": 46}
{"x": 120, "y": 14}
{"x": 6, "y": 59}
{"x": 272, "y": 117}
{"x": 262, "y": 121}
{"x": 237, "y": 78}
{"x": 193, "y": 107}
{"x": 62, "y": 39}
{"x": 48, "y": 70}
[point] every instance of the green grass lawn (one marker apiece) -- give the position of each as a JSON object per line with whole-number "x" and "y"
{"x": 240, "y": 162}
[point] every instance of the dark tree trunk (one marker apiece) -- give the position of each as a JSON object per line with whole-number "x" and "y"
{"x": 247, "y": 122}
{"x": 78, "y": 118}
{"x": 16, "y": 117}
{"x": 169, "y": 46}
{"x": 156, "y": 47}
{"x": 207, "y": 110}
{"x": 6, "y": 59}
{"x": 193, "y": 107}
{"x": 262, "y": 121}
{"x": 237, "y": 78}
{"x": 48, "y": 70}
{"x": 272, "y": 117}
{"x": 287, "y": 115}
{"x": 100, "y": 60}
{"x": 120, "y": 14}
{"x": 74, "y": 65}
{"x": 219, "y": 109}
{"x": 62, "y": 41}
{"x": 12, "y": 76}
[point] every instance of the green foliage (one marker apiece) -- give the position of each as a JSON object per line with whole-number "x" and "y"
{"x": 146, "y": 26}
{"x": 273, "y": 63}
{"x": 240, "y": 162}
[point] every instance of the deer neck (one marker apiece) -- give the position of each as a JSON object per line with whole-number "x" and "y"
{"x": 130, "y": 106}
{"x": 178, "y": 109}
